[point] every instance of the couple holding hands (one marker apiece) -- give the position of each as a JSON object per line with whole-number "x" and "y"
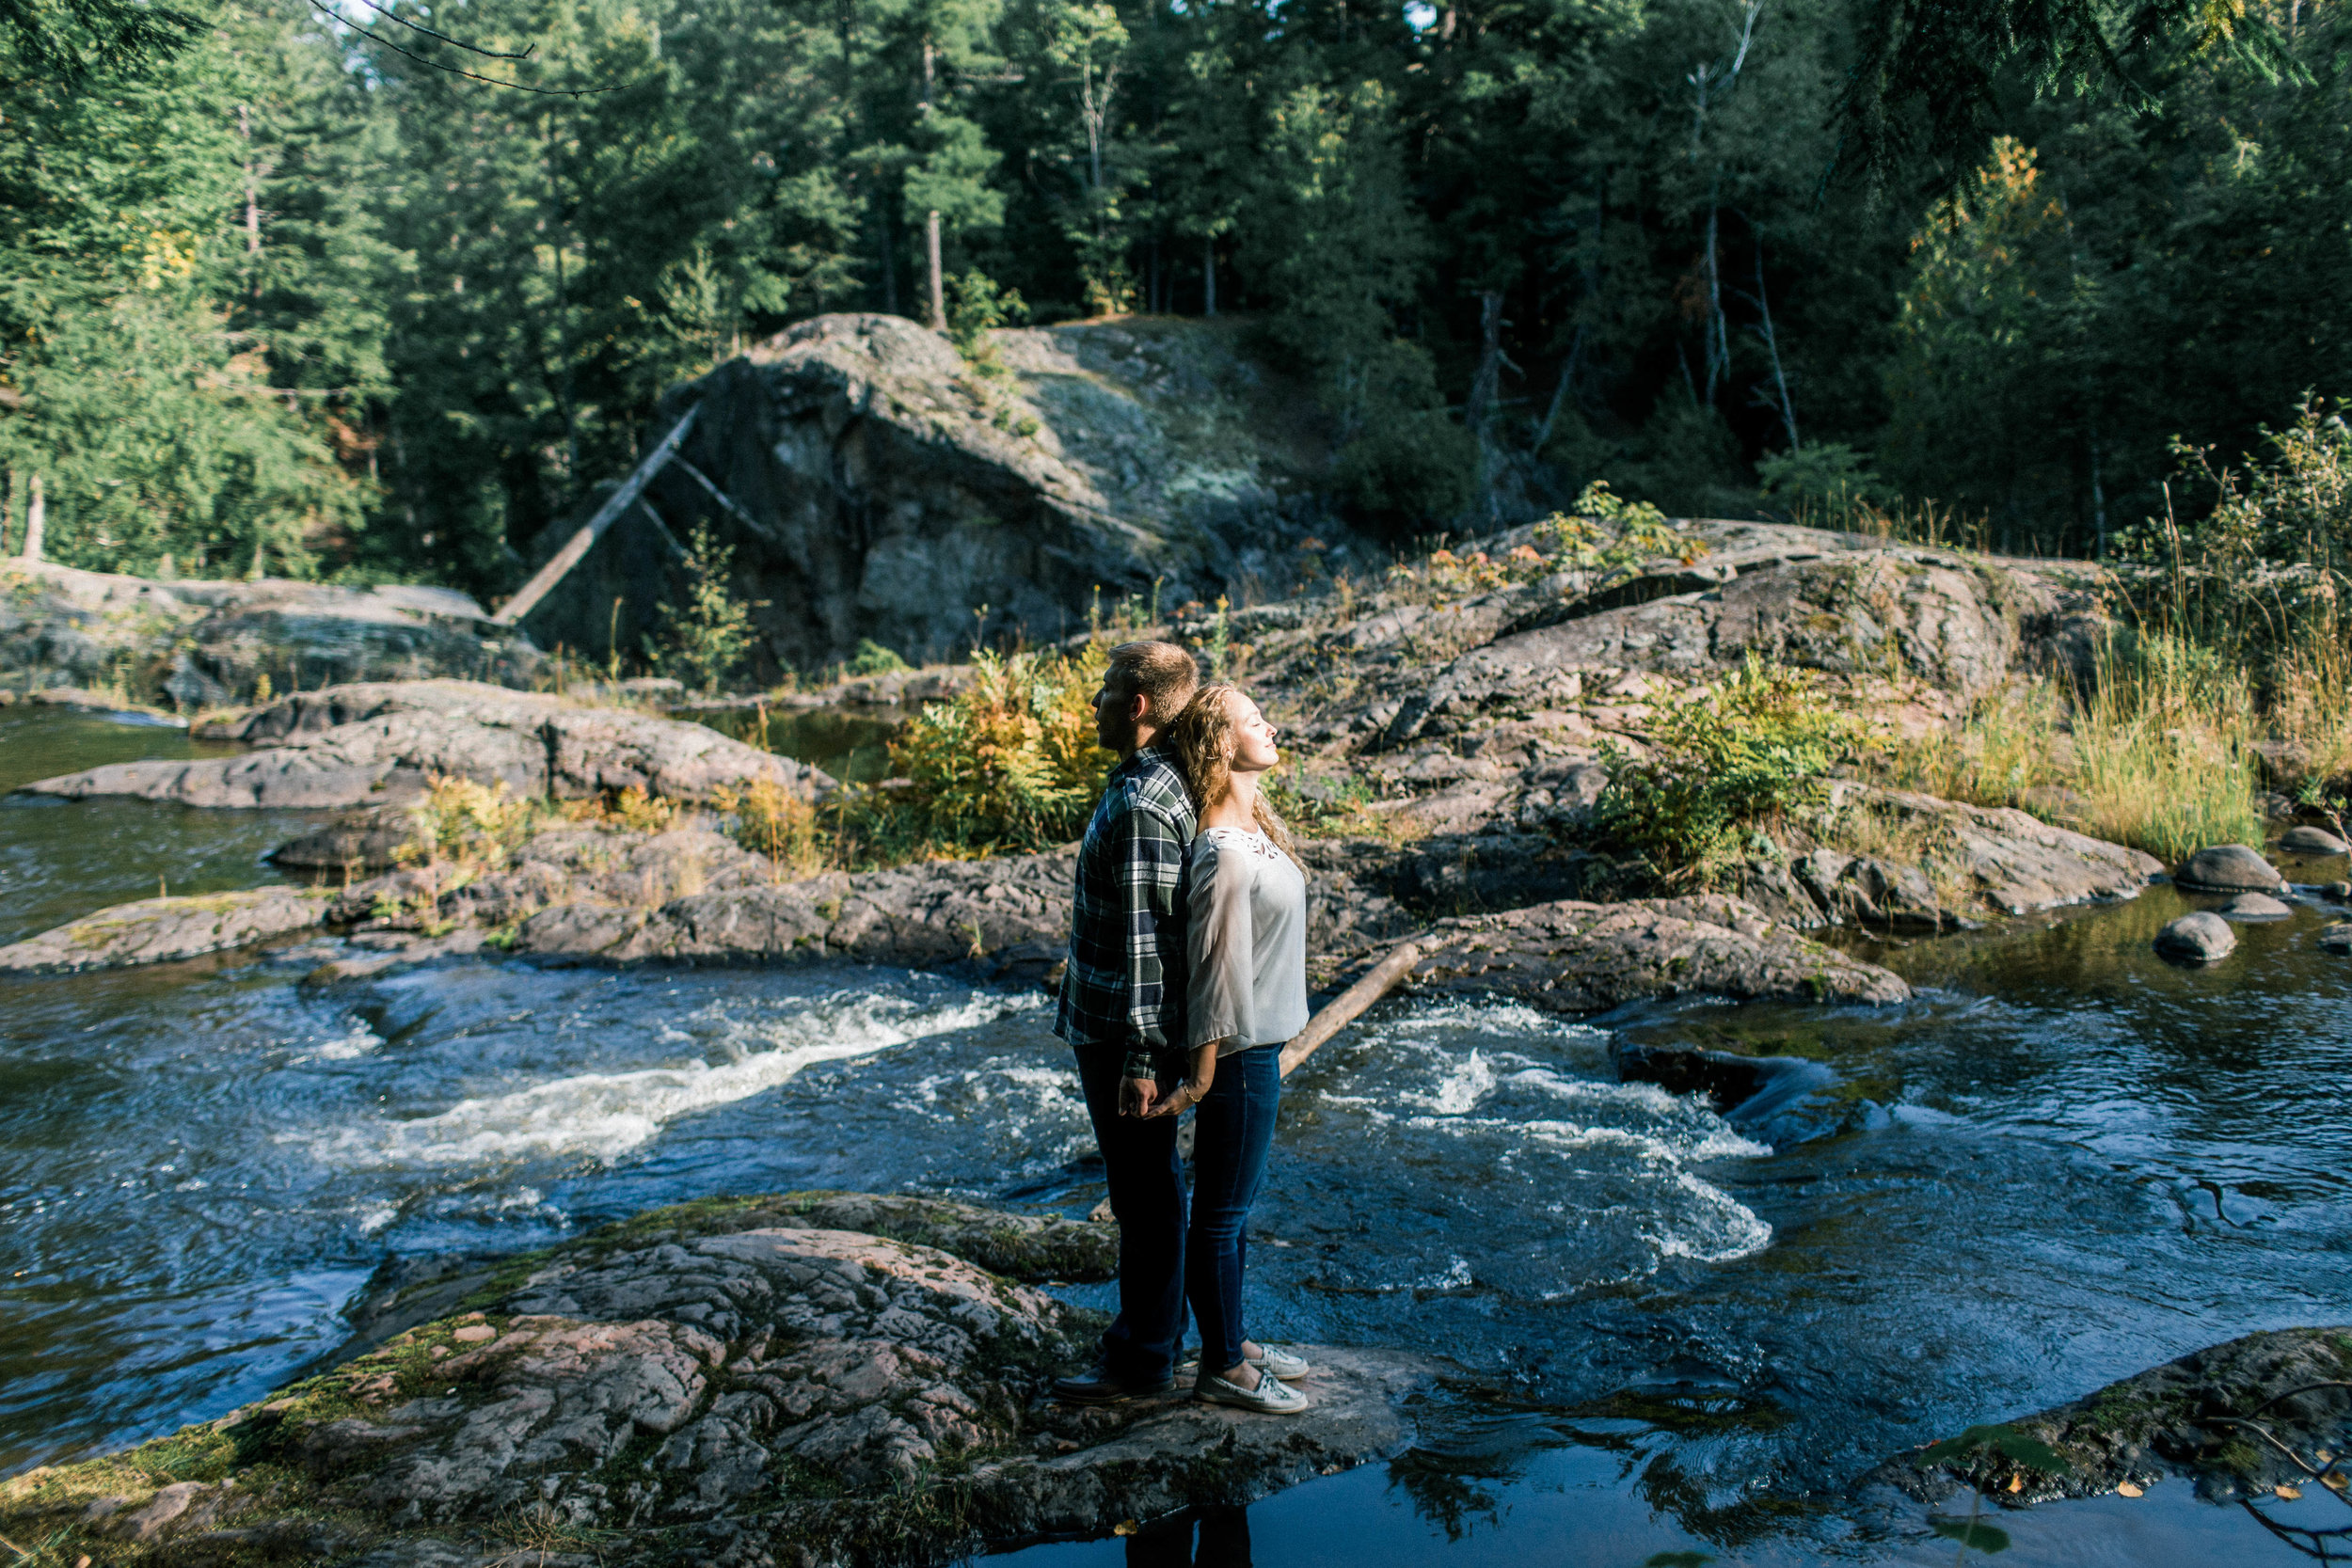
{"x": 1188, "y": 941}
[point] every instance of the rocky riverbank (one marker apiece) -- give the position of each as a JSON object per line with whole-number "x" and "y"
{"x": 815, "y": 1379}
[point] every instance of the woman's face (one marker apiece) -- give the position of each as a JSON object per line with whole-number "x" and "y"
{"x": 1253, "y": 737}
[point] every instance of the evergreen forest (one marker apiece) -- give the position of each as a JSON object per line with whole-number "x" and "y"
{"x": 376, "y": 292}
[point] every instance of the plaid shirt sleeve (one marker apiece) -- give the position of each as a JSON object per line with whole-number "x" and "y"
{"x": 1150, "y": 862}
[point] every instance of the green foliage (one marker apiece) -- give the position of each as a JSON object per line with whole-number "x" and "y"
{"x": 1720, "y": 768}
{"x": 1825, "y": 485}
{"x": 1010, "y": 763}
{"x": 975, "y": 308}
{"x": 703, "y": 642}
{"x": 872, "y": 658}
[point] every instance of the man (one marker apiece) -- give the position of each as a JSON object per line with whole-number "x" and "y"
{"x": 1123, "y": 998}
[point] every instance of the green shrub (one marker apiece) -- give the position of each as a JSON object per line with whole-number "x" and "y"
{"x": 872, "y": 658}
{"x": 1008, "y": 764}
{"x": 1408, "y": 468}
{"x": 1721, "y": 768}
{"x": 703, "y": 642}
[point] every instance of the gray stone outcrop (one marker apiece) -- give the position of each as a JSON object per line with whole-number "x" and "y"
{"x": 2308, "y": 840}
{"x": 200, "y": 645}
{"x": 383, "y": 741}
{"x": 1572, "y": 956}
{"x": 730, "y": 1383}
{"x": 884, "y": 487}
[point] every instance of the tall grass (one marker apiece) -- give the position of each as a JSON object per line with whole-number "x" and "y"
{"x": 2156, "y": 754}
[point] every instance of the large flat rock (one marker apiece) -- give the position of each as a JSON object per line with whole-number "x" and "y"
{"x": 714, "y": 1387}
{"x": 376, "y": 741}
{"x": 161, "y": 930}
{"x": 196, "y": 644}
{"x": 1574, "y": 956}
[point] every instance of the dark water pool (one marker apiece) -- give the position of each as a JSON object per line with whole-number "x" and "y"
{"x": 1682, "y": 1332}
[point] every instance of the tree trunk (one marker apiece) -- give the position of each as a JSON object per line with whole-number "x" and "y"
{"x": 36, "y": 521}
{"x": 939, "y": 286}
{"x": 1487, "y": 383}
{"x": 1208, "y": 276}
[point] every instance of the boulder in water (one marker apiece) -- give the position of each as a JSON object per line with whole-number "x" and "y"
{"x": 2308, "y": 840}
{"x": 2255, "y": 906}
{"x": 160, "y": 930}
{"x": 749, "y": 1385}
{"x": 2228, "y": 868}
{"x": 2337, "y": 938}
{"x": 2201, "y": 938}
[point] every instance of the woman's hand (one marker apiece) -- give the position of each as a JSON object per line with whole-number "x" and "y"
{"x": 1194, "y": 1089}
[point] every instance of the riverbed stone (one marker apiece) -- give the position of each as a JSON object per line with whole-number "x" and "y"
{"x": 1575, "y": 957}
{"x": 2255, "y": 906}
{"x": 2203, "y": 937}
{"x": 160, "y": 930}
{"x": 748, "y": 1390}
{"x": 2308, "y": 840}
{"x": 2179, "y": 1418}
{"x": 2228, "y": 868}
{"x": 383, "y": 742}
{"x": 2337, "y": 938}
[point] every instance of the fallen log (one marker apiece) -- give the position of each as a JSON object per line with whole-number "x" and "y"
{"x": 1344, "y": 1008}
{"x": 547, "y": 577}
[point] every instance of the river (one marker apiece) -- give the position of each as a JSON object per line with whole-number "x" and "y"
{"x": 1685, "y": 1333}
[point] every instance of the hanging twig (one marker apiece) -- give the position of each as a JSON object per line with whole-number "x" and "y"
{"x": 551, "y": 92}
{"x": 469, "y": 48}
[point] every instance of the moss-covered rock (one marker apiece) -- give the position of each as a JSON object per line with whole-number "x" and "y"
{"x": 733, "y": 1381}
{"x": 2235, "y": 1416}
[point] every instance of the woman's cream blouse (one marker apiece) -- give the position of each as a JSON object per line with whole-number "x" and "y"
{"x": 1246, "y": 936}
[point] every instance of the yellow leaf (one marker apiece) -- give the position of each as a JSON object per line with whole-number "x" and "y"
{"x": 2130, "y": 1489}
{"x": 2290, "y": 1492}
{"x": 2017, "y": 1481}
{"x": 1125, "y": 1526}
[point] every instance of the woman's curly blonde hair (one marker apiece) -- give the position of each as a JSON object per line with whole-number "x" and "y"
{"x": 1203, "y": 737}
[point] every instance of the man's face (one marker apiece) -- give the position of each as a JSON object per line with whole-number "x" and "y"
{"x": 1116, "y": 714}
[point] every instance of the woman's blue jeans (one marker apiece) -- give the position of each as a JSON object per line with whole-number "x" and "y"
{"x": 1233, "y": 1135}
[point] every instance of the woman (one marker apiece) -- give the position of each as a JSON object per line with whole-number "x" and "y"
{"x": 1246, "y": 939}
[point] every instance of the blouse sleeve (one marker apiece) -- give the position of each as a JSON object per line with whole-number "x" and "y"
{"x": 1219, "y": 942}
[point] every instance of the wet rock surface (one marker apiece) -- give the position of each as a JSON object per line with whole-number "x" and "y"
{"x": 729, "y": 1384}
{"x": 2236, "y": 1417}
{"x": 161, "y": 930}
{"x": 2201, "y": 938}
{"x": 2308, "y": 840}
{"x": 381, "y": 742}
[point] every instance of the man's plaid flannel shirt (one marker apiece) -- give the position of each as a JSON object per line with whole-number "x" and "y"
{"x": 1124, "y": 986}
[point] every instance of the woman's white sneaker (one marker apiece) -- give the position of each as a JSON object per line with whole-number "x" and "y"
{"x": 1273, "y": 1361}
{"x": 1272, "y": 1396}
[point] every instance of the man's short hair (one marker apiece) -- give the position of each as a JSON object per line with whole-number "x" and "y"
{"x": 1161, "y": 672}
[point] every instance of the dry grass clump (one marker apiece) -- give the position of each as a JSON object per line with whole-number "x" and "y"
{"x": 2157, "y": 753}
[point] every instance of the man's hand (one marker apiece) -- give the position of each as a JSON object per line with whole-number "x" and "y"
{"x": 1136, "y": 1095}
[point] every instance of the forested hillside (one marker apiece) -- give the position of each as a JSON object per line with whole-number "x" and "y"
{"x": 278, "y": 298}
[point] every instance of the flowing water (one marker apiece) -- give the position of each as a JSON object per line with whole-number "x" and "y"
{"x": 1685, "y": 1332}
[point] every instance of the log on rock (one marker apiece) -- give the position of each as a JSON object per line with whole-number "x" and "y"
{"x": 160, "y": 930}
{"x": 380, "y": 742}
{"x": 1573, "y": 956}
{"x": 780, "y": 1390}
{"x": 1343, "y": 1010}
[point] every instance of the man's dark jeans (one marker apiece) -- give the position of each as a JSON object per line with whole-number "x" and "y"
{"x": 1147, "y": 1181}
{"x": 1232, "y": 1134}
